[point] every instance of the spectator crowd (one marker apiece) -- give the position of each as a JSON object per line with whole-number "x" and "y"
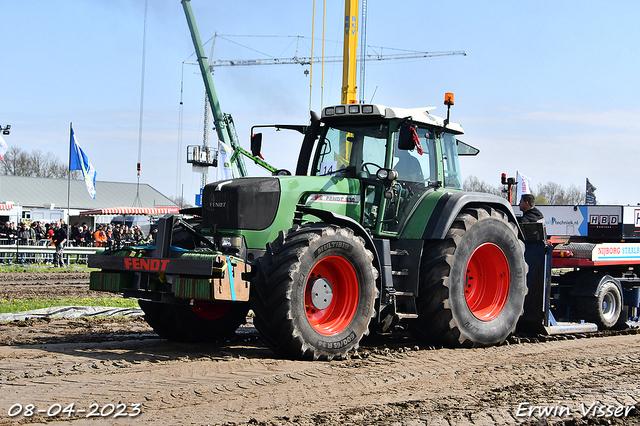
{"x": 79, "y": 235}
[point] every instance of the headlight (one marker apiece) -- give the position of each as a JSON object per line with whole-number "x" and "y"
{"x": 387, "y": 174}
{"x": 234, "y": 241}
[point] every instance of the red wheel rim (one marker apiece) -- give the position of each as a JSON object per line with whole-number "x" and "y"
{"x": 344, "y": 301}
{"x": 487, "y": 280}
{"x": 211, "y": 311}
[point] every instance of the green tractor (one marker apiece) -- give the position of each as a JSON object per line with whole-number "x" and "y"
{"x": 371, "y": 231}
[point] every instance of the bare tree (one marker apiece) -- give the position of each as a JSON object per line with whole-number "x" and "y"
{"x": 35, "y": 164}
{"x": 180, "y": 201}
{"x": 552, "y": 192}
{"x": 548, "y": 193}
{"x": 574, "y": 195}
{"x": 15, "y": 162}
{"x": 556, "y": 194}
{"x": 473, "y": 184}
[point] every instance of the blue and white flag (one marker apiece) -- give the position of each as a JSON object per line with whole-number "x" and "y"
{"x": 78, "y": 160}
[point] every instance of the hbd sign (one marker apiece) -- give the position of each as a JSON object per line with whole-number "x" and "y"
{"x": 605, "y": 220}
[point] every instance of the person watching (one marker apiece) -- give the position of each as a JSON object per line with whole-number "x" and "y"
{"x": 530, "y": 213}
{"x": 59, "y": 238}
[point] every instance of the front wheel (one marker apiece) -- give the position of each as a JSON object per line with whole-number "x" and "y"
{"x": 313, "y": 296}
{"x": 473, "y": 282}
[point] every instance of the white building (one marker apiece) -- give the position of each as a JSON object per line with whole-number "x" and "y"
{"x": 48, "y": 198}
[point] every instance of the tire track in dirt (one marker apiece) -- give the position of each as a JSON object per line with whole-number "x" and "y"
{"x": 107, "y": 361}
{"x": 208, "y": 385}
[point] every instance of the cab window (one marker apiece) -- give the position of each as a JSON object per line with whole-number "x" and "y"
{"x": 351, "y": 146}
{"x": 412, "y": 166}
{"x": 450, "y": 163}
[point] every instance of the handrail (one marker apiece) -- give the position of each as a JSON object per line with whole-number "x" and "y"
{"x": 13, "y": 248}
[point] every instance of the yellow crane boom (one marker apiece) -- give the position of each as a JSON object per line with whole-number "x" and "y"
{"x": 350, "y": 52}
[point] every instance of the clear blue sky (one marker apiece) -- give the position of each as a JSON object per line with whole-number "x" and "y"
{"x": 548, "y": 88}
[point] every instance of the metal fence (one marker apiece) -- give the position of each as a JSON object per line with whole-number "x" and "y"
{"x": 41, "y": 252}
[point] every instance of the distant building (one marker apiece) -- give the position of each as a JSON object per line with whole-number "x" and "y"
{"x": 20, "y": 195}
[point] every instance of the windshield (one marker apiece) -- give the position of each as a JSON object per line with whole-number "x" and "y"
{"x": 351, "y": 146}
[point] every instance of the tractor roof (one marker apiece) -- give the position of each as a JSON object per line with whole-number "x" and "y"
{"x": 419, "y": 115}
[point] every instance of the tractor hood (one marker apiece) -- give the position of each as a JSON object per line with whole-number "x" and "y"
{"x": 243, "y": 204}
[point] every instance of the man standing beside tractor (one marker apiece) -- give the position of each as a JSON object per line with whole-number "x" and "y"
{"x": 530, "y": 213}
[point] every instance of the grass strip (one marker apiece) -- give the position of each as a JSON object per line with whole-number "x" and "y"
{"x": 45, "y": 268}
{"x": 21, "y": 305}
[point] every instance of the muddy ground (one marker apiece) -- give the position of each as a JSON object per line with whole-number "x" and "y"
{"x": 117, "y": 371}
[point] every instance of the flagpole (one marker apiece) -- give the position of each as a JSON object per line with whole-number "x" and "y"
{"x": 69, "y": 174}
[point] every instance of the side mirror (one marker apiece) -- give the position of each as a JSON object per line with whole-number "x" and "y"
{"x": 405, "y": 138}
{"x": 256, "y": 144}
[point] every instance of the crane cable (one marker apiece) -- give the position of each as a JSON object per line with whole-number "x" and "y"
{"x": 144, "y": 48}
{"x": 313, "y": 32}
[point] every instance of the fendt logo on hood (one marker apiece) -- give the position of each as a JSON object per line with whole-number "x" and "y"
{"x": 217, "y": 204}
{"x": 142, "y": 264}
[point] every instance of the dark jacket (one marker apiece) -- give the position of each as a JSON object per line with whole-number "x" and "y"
{"x": 23, "y": 236}
{"x": 59, "y": 236}
{"x": 531, "y": 216}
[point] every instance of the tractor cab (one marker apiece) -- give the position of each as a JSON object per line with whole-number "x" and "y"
{"x": 398, "y": 156}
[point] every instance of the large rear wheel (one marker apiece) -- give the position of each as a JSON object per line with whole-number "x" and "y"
{"x": 473, "y": 282}
{"x": 200, "y": 322}
{"x": 314, "y": 292}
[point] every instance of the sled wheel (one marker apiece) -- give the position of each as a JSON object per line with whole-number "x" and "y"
{"x": 313, "y": 295}
{"x": 472, "y": 283}
{"x": 202, "y": 322}
{"x": 604, "y": 307}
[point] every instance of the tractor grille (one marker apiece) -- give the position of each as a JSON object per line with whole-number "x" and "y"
{"x": 248, "y": 203}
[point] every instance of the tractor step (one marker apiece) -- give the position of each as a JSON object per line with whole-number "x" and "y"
{"x": 404, "y": 293}
{"x": 407, "y": 316}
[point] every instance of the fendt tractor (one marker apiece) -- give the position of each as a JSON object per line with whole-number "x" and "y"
{"x": 371, "y": 230}
{"x": 372, "y": 233}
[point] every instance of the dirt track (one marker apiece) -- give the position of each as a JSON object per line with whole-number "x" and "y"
{"x": 120, "y": 361}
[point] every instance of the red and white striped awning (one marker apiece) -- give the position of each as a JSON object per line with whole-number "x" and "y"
{"x": 6, "y": 206}
{"x": 131, "y": 211}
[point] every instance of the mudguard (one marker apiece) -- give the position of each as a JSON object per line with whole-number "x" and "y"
{"x": 451, "y": 203}
{"x": 338, "y": 219}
